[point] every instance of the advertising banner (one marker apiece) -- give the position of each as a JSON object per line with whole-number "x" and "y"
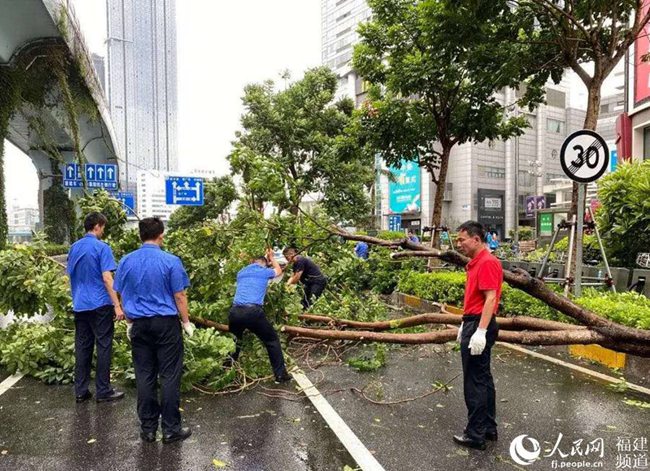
{"x": 404, "y": 193}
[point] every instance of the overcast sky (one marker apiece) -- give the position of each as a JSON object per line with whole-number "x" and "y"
{"x": 222, "y": 46}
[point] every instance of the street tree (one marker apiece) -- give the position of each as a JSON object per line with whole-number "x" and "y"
{"x": 436, "y": 67}
{"x": 299, "y": 142}
{"x": 102, "y": 202}
{"x": 589, "y": 37}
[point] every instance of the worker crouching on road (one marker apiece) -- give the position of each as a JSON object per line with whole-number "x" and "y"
{"x": 152, "y": 284}
{"x": 308, "y": 273}
{"x": 247, "y": 311}
{"x": 477, "y": 335}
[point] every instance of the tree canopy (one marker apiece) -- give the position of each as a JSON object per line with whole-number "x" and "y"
{"x": 299, "y": 142}
{"x": 437, "y": 67}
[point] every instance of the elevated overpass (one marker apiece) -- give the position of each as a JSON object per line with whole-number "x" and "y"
{"x": 32, "y": 33}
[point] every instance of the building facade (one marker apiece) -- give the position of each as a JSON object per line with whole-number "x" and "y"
{"x": 634, "y": 125}
{"x": 340, "y": 19}
{"x": 21, "y": 222}
{"x": 142, "y": 84}
{"x": 99, "y": 63}
{"x": 491, "y": 181}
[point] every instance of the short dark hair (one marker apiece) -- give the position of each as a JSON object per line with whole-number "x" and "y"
{"x": 93, "y": 219}
{"x": 473, "y": 228}
{"x": 261, "y": 258}
{"x": 288, "y": 250}
{"x": 150, "y": 228}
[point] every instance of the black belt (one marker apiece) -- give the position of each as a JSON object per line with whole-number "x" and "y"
{"x": 471, "y": 317}
{"x": 246, "y": 305}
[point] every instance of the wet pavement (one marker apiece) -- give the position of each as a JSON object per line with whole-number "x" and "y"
{"x": 534, "y": 398}
{"x": 42, "y": 428}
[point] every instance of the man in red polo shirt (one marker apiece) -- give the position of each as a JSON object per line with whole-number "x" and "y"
{"x": 477, "y": 335}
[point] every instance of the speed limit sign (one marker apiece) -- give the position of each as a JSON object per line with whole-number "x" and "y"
{"x": 584, "y": 156}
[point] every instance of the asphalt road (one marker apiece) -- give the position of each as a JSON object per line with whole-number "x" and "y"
{"x": 42, "y": 428}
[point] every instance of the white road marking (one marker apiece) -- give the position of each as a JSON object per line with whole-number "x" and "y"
{"x": 571, "y": 366}
{"x": 365, "y": 460}
{"x": 8, "y": 383}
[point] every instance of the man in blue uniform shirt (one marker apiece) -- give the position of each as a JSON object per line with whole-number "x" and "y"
{"x": 362, "y": 250}
{"x": 152, "y": 284}
{"x": 247, "y": 311}
{"x": 95, "y": 305}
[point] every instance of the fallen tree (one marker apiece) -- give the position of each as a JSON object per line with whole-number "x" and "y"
{"x": 610, "y": 334}
{"x": 592, "y": 328}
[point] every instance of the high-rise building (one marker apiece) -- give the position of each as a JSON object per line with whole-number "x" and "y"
{"x": 99, "y": 64}
{"x": 340, "y": 19}
{"x": 142, "y": 86}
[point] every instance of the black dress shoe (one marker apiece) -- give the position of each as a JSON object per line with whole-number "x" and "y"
{"x": 84, "y": 397}
{"x": 148, "y": 437}
{"x": 114, "y": 396}
{"x": 464, "y": 440}
{"x": 182, "y": 434}
{"x": 285, "y": 378}
{"x": 492, "y": 436}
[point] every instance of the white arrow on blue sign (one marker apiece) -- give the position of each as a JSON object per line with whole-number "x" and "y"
{"x": 97, "y": 176}
{"x": 185, "y": 191}
{"x": 111, "y": 172}
{"x": 91, "y": 172}
{"x": 70, "y": 172}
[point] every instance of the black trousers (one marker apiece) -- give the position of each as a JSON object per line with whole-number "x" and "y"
{"x": 313, "y": 289}
{"x": 157, "y": 349}
{"x": 93, "y": 328}
{"x": 252, "y": 317}
{"x": 478, "y": 383}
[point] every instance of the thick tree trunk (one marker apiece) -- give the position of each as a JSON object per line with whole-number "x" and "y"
{"x": 436, "y": 215}
{"x": 563, "y": 337}
{"x": 591, "y": 122}
{"x": 526, "y": 283}
{"x": 506, "y": 323}
{"x": 209, "y": 323}
{"x": 598, "y": 330}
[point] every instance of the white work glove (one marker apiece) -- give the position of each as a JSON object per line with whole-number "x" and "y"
{"x": 188, "y": 327}
{"x": 477, "y": 342}
{"x": 129, "y": 327}
{"x": 460, "y": 333}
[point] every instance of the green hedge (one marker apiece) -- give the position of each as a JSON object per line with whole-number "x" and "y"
{"x": 56, "y": 249}
{"x": 443, "y": 287}
{"x": 630, "y": 309}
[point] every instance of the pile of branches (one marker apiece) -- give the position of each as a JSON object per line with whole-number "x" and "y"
{"x": 594, "y": 329}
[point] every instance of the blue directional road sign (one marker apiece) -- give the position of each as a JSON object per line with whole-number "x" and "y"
{"x": 128, "y": 201}
{"x": 71, "y": 176}
{"x": 186, "y": 191}
{"x": 101, "y": 176}
{"x": 395, "y": 223}
{"x": 97, "y": 176}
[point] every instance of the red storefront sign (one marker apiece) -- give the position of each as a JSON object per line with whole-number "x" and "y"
{"x": 641, "y": 68}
